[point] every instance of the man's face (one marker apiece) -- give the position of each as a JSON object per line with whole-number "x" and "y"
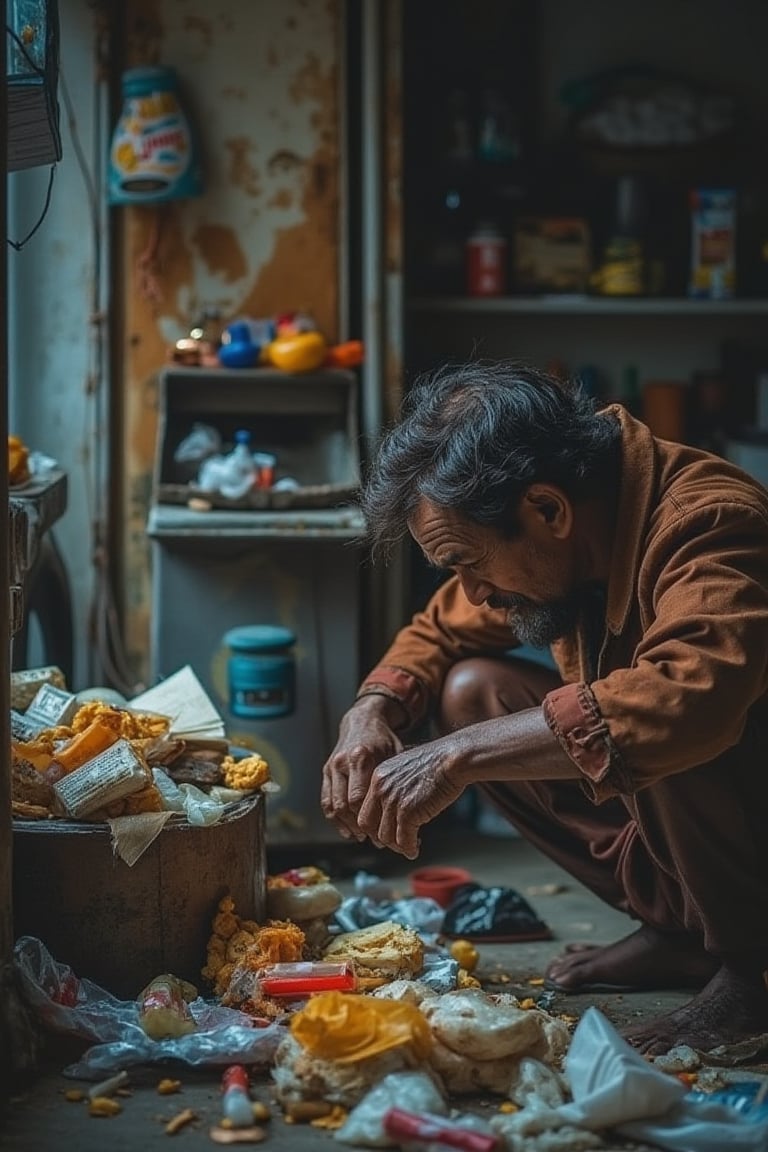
{"x": 532, "y": 578}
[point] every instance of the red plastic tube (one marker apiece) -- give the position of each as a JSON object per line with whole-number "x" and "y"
{"x": 305, "y": 977}
{"x": 422, "y": 1126}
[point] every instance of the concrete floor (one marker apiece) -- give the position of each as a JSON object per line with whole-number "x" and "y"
{"x": 39, "y": 1117}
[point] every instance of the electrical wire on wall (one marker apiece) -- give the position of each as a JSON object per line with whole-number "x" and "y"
{"x": 45, "y": 77}
{"x": 106, "y": 654}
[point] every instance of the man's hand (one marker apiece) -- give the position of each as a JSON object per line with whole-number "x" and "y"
{"x": 366, "y": 738}
{"x": 407, "y": 791}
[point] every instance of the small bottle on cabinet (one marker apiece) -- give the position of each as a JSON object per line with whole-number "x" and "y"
{"x": 486, "y": 254}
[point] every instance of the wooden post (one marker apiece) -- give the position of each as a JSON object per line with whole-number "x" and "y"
{"x": 18, "y": 1044}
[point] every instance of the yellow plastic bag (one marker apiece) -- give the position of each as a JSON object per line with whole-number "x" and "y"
{"x": 345, "y": 1027}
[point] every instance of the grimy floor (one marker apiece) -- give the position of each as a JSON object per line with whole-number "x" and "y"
{"x": 39, "y": 1117}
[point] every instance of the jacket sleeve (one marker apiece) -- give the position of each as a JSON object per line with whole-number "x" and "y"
{"x": 449, "y": 629}
{"x": 699, "y": 665}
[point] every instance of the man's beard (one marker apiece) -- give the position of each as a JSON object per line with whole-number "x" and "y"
{"x": 539, "y": 624}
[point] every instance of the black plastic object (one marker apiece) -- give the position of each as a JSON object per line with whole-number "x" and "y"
{"x": 494, "y": 915}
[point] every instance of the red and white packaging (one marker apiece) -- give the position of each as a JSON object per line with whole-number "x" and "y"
{"x": 486, "y": 255}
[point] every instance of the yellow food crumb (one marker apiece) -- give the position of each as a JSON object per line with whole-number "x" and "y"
{"x": 466, "y": 954}
{"x": 167, "y": 1087}
{"x": 335, "y": 1118}
{"x": 536, "y": 981}
{"x": 507, "y": 1107}
{"x": 528, "y": 1002}
{"x": 225, "y": 924}
{"x": 238, "y": 944}
{"x": 465, "y": 979}
{"x": 74, "y": 1095}
{"x": 245, "y": 775}
{"x": 104, "y": 1106}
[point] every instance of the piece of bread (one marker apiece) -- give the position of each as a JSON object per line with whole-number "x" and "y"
{"x": 385, "y": 950}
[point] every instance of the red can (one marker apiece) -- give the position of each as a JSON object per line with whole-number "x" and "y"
{"x": 486, "y": 252}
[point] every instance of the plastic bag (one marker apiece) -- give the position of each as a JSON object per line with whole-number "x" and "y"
{"x": 63, "y": 1002}
{"x": 414, "y": 1091}
{"x": 202, "y": 441}
{"x": 492, "y": 915}
{"x": 614, "y": 1087}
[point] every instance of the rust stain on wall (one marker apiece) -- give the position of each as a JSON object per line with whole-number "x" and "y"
{"x": 281, "y": 199}
{"x": 221, "y": 251}
{"x": 143, "y": 33}
{"x": 241, "y": 171}
{"x": 301, "y": 270}
{"x": 144, "y": 356}
{"x": 200, "y": 24}
{"x": 284, "y": 161}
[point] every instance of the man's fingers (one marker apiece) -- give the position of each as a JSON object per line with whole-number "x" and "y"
{"x": 334, "y": 801}
{"x": 369, "y": 814}
{"x": 326, "y": 797}
{"x": 407, "y": 839}
{"x": 387, "y": 832}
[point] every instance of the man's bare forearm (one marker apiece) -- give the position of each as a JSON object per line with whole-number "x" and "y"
{"x": 517, "y": 747}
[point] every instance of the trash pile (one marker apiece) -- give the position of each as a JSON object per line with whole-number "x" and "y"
{"x": 362, "y": 1017}
{"x": 94, "y": 756}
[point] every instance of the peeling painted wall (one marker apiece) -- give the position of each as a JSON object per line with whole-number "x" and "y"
{"x": 261, "y": 83}
{"x": 57, "y": 395}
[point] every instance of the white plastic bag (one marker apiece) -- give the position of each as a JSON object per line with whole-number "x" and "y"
{"x": 413, "y": 1091}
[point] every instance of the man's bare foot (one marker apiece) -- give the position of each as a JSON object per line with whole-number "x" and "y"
{"x": 731, "y": 1008}
{"x": 646, "y": 959}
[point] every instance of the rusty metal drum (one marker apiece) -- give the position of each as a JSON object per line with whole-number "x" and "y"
{"x": 121, "y": 926}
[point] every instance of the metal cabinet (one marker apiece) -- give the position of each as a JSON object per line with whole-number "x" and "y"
{"x": 220, "y": 565}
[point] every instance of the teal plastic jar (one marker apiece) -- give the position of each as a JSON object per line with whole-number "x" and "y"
{"x": 153, "y": 156}
{"x": 261, "y": 672}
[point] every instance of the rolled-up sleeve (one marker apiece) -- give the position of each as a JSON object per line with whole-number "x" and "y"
{"x": 573, "y": 714}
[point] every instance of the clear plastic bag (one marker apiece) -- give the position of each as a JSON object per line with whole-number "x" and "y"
{"x": 63, "y": 1002}
{"x": 203, "y": 441}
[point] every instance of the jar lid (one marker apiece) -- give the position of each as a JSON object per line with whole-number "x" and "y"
{"x": 144, "y": 81}
{"x": 258, "y": 638}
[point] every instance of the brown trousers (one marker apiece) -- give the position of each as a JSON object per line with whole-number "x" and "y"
{"x": 686, "y": 855}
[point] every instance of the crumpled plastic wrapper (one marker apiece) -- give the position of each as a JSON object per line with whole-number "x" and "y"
{"x": 62, "y": 1002}
{"x": 298, "y": 1075}
{"x": 414, "y": 1091}
{"x": 614, "y": 1088}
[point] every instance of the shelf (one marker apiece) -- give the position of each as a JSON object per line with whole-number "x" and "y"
{"x": 590, "y": 306}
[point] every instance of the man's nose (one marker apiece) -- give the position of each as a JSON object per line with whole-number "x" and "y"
{"x": 476, "y": 591}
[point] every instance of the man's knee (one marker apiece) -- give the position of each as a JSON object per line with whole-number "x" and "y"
{"x": 482, "y": 688}
{"x": 464, "y": 695}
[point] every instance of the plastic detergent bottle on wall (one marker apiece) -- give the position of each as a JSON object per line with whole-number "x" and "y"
{"x": 153, "y": 156}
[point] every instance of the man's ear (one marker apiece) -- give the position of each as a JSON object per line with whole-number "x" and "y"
{"x": 547, "y": 510}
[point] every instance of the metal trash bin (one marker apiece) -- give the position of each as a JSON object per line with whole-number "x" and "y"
{"x": 121, "y": 926}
